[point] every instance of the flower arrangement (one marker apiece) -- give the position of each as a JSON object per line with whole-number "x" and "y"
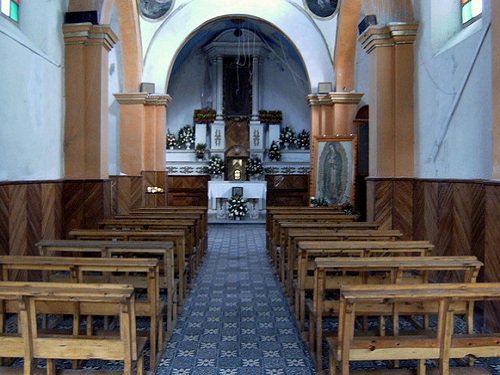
{"x": 318, "y": 202}
{"x": 274, "y": 151}
{"x": 303, "y": 140}
{"x": 204, "y": 115}
{"x": 171, "y": 141}
{"x": 215, "y": 165}
{"x": 237, "y": 207}
{"x": 254, "y": 166}
{"x": 186, "y": 136}
{"x": 270, "y": 117}
{"x": 287, "y": 136}
{"x": 199, "y": 150}
{"x": 154, "y": 190}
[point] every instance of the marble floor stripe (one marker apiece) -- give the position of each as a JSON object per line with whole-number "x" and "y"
{"x": 236, "y": 320}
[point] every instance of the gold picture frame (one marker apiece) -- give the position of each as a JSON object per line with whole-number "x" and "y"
{"x": 333, "y": 169}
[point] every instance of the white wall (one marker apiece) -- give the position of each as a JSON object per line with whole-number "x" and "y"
{"x": 453, "y": 114}
{"x": 284, "y": 87}
{"x": 31, "y": 93}
{"x": 115, "y": 72}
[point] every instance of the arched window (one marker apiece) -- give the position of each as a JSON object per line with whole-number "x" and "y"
{"x": 10, "y": 8}
{"x": 471, "y": 11}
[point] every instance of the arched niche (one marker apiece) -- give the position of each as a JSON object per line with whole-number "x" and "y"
{"x": 288, "y": 18}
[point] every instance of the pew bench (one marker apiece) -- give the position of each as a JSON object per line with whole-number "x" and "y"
{"x": 140, "y": 273}
{"x": 193, "y": 242}
{"x": 443, "y": 344}
{"x": 177, "y": 237}
{"x": 308, "y": 251}
{"x": 27, "y": 299}
{"x": 291, "y": 232}
{"x": 163, "y": 251}
{"x": 332, "y": 273}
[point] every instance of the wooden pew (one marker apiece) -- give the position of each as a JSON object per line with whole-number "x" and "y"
{"x": 309, "y": 250}
{"x": 285, "y": 249}
{"x": 378, "y": 270}
{"x": 27, "y": 299}
{"x": 323, "y": 215}
{"x": 193, "y": 243}
{"x": 164, "y": 251}
{"x": 140, "y": 273}
{"x": 177, "y": 237}
{"x": 442, "y": 344}
{"x": 182, "y": 211}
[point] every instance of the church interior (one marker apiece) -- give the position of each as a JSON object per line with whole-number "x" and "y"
{"x": 181, "y": 121}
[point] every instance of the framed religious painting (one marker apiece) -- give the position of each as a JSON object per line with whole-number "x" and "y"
{"x": 333, "y": 169}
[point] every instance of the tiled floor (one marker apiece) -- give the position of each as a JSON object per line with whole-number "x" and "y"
{"x": 236, "y": 320}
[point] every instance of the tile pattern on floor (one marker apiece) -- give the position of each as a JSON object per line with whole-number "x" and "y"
{"x": 236, "y": 319}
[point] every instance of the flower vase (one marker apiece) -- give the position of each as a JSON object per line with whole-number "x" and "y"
{"x": 237, "y": 218}
{"x": 286, "y": 145}
{"x": 170, "y": 147}
{"x": 188, "y": 145}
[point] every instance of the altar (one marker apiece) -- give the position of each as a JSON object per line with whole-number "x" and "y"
{"x": 253, "y": 191}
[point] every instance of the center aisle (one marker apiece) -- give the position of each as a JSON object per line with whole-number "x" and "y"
{"x": 236, "y": 320}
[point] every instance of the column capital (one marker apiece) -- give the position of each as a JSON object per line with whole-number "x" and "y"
{"x": 388, "y": 35}
{"x": 158, "y": 99}
{"x": 88, "y": 34}
{"x": 131, "y": 97}
{"x": 334, "y": 97}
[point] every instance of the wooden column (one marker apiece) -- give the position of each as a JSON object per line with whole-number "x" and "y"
{"x": 155, "y": 132}
{"x": 86, "y": 91}
{"x": 391, "y": 55}
{"x": 132, "y": 120}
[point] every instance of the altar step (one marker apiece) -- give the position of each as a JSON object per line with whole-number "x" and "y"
{"x": 213, "y": 219}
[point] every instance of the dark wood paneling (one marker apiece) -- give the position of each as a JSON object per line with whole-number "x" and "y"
{"x": 4, "y": 219}
{"x": 287, "y": 190}
{"x": 33, "y": 217}
{"x": 127, "y": 193}
{"x": 18, "y": 219}
{"x": 383, "y": 204}
{"x": 158, "y": 179}
{"x": 461, "y": 217}
{"x": 51, "y": 211}
{"x": 187, "y": 190}
{"x": 491, "y": 250}
{"x": 403, "y": 208}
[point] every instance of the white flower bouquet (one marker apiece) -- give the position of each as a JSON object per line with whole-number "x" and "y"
{"x": 186, "y": 135}
{"x": 287, "y": 136}
{"x": 254, "y": 166}
{"x": 237, "y": 207}
{"x": 215, "y": 165}
{"x": 274, "y": 152}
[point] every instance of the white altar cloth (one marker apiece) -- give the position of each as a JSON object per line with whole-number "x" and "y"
{"x": 224, "y": 189}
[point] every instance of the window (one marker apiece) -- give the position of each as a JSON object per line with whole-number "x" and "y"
{"x": 10, "y": 8}
{"x": 471, "y": 11}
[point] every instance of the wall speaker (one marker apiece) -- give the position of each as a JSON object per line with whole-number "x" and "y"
{"x": 369, "y": 20}
{"x": 81, "y": 17}
{"x": 147, "y": 87}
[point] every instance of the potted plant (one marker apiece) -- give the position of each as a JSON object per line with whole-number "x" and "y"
{"x": 199, "y": 150}
{"x": 186, "y": 136}
{"x": 274, "y": 152}
{"x": 215, "y": 167}
{"x": 204, "y": 115}
{"x": 254, "y": 167}
{"x": 171, "y": 141}
{"x": 303, "y": 140}
{"x": 287, "y": 137}
{"x": 237, "y": 207}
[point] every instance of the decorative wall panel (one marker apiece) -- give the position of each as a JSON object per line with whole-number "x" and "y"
{"x": 459, "y": 217}
{"x": 187, "y": 190}
{"x": 287, "y": 190}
